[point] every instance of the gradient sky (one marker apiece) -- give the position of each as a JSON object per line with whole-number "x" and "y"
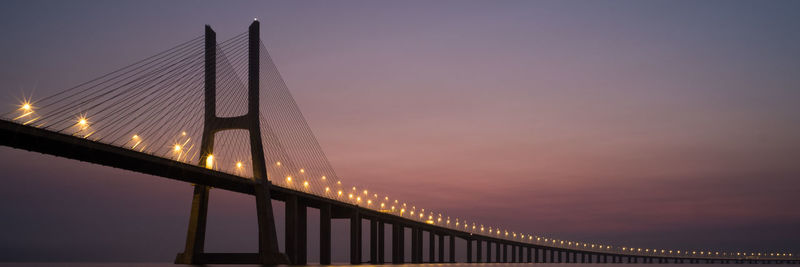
{"x": 664, "y": 124}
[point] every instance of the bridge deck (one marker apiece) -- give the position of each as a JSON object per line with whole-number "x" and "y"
{"x": 43, "y": 141}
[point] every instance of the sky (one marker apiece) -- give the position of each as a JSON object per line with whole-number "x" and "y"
{"x": 662, "y": 124}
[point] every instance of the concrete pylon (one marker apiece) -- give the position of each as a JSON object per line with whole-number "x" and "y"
{"x": 267, "y": 239}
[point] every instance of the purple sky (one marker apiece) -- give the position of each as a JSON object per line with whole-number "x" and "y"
{"x": 662, "y": 124}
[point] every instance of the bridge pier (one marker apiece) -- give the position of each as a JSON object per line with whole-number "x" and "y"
{"x": 325, "y": 234}
{"x": 529, "y": 257}
{"x": 398, "y": 246}
{"x": 431, "y": 246}
{"x": 488, "y": 251}
{"x": 373, "y": 241}
{"x": 355, "y": 237}
{"x": 513, "y": 253}
{"x": 469, "y": 250}
{"x": 381, "y": 242}
{"x": 452, "y": 249}
{"x": 295, "y": 230}
{"x": 441, "y": 248}
{"x": 479, "y": 251}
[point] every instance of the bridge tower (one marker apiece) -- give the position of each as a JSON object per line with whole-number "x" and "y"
{"x": 267, "y": 239}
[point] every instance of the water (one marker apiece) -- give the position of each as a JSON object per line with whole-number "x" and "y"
{"x": 165, "y": 264}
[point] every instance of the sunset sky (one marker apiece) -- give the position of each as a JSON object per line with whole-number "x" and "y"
{"x": 661, "y": 124}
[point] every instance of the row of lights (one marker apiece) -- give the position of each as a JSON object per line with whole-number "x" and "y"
{"x": 82, "y": 125}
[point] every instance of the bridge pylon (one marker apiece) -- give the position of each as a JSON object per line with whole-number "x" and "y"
{"x": 267, "y": 239}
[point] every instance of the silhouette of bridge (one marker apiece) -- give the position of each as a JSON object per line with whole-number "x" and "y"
{"x": 147, "y": 117}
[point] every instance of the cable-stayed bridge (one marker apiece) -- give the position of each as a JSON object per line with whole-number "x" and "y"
{"x": 218, "y": 115}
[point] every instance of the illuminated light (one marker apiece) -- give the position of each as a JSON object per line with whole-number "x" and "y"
{"x": 176, "y": 148}
{"x": 339, "y": 193}
{"x": 26, "y": 106}
{"x": 305, "y": 183}
{"x": 239, "y": 164}
{"x": 338, "y": 182}
{"x": 538, "y": 239}
{"x": 83, "y": 122}
{"x": 135, "y": 136}
{"x": 327, "y": 189}
{"x": 375, "y": 195}
{"x": 369, "y": 202}
{"x": 382, "y": 205}
{"x": 358, "y": 199}
{"x": 323, "y": 178}
{"x": 210, "y": 161}
{"x": 302, "y": 170}
{"x": 288, "y": 178}
{"x": 354, "y": 188}
{"x": 350, "y": 196}
{"x": 365, "y": 192}
{"x": 183, "y": 133}
{"x": 386, "y": 198}
{"x": 278, "y": 163}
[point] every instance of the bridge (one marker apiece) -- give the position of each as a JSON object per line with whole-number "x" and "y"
{"x": 148, "y": 117}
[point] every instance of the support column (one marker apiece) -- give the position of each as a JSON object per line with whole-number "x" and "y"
{"x": 398, "y": 246}
{"x": 381, "y": 243}
{"x": 536, "y": 258}
{"x": 469, "y": 250}
{"x": 479, "y": 251}
{"x": 499, "y": 257}
{"x": 441, "y": 248}
{"x": 431, "y": 246}
{"x": 452, "y": 249}
{"x": 196, "y": 234}
{"x": 513, "y": 253}
{"x": 505, "y": 252}
{"x": 291, "y": 228}
{"x": 488, "y": 251}
{"x": 355, "y": 237}
{"x": 373, "y": 241}
{"x": 529, "y": 258}
{"x": 325, "y": 234}
{"x": 416, "y": 245}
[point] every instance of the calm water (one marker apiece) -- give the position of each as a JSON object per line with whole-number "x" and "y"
{"x": 112, "y": 264}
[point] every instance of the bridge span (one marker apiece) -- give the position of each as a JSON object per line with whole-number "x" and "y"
{"x": 79, "y": 142}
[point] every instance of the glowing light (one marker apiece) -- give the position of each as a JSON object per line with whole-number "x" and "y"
{"x": 183, "y": 133}
{"x": 176, "y": 148}
{"x": 327, "y": 189}
{"x": 26, "y": 106}
{"x": 302, "y": 170}
{"x": 369, "y": 202}
{"x": 239, "y": 164}
{"x": 288, "y": 178}
{"x": 135, "y": 136}
{"x": 339, "y": 193}
{"x": 323, "y": 178}
{"x": 210, "y": 161}
{"x": 278, "y": 163}
{"x": 305, "y": 183}
{"x": 350, "y": 196}
{"x": 365, "y": 192}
